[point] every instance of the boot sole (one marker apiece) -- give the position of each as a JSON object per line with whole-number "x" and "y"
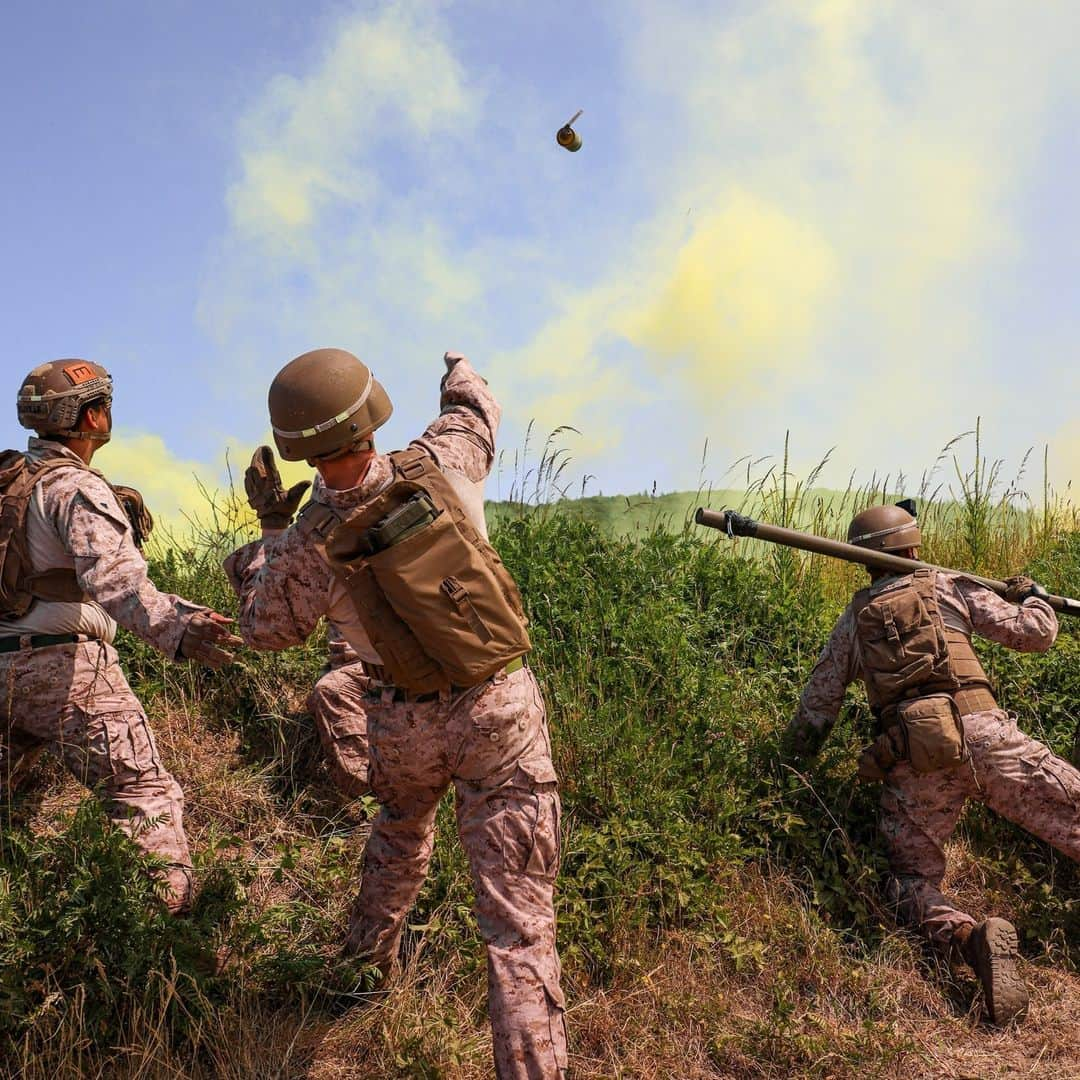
{"x": 1004, "y": 991}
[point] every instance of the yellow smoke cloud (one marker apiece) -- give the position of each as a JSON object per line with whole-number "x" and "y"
{"x": 744, "y": 295}
{"x": 174, "y": 488}
{"x": 180, "y": 491}
{"x": 849, "y": 167}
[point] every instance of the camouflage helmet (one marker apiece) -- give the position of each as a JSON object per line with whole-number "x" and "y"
{"x": 53, "y": 395}
{"x": 325, "y": 403}
{"x": 884, "y": 528}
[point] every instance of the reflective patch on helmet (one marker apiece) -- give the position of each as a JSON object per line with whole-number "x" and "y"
{"x": 326, "y": 425}
{"x": 80, "y": 373}
{"x": 882, "y": 532}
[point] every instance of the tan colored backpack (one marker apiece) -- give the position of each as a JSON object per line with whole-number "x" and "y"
{"x": 436, "y": 600}
{"x": 19, "y": 588}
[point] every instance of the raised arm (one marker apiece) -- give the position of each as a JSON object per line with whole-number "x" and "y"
{"x": 111, "y": 570}
{"x": 1030, "y": 626}
{"x": 462, "y": 438}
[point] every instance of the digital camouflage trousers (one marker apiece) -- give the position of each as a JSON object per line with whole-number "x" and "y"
{"x": 491, "y": 743}
{"x": 1015, "y": 775}
{"x": 339, "y": 703}
{"x": 74, "y": 701}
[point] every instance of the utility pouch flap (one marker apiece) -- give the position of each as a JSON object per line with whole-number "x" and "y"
{"x": 347, "y": 727}
{"x": 932, "y": 732}
{"x": 389, "y": 519}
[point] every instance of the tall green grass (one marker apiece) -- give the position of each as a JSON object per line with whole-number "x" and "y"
{"x": 671, "y": 659}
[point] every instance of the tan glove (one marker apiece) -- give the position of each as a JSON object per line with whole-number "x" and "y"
{"x": 274, "y": 505}
{"x": 142, "y": 521}
{"x": 207, "y": 640}
{"x": 1019, "y": 588}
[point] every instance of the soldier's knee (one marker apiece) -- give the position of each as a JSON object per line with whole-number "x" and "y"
{"x": 146, "y": 794}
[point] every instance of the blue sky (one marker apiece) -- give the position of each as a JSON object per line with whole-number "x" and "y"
{"x": 856, "y": 222}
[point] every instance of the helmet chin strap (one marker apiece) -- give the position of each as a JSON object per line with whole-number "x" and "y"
{"x": 354, "y": 447}
{"x": 99, "y": 436}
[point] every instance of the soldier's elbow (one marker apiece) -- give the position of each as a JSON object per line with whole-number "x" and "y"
{"x": 264, "y": 639}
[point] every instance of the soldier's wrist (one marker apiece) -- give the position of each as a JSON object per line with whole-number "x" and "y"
{"x": 273, "y": 524}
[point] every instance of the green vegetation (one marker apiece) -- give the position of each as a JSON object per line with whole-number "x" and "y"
{"x": 718, "y": 912}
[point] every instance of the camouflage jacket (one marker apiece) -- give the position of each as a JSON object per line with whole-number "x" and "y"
{"x": 284, "y": 583}
{"x": 965, "y": 605}
{"x": 76, "y": 523}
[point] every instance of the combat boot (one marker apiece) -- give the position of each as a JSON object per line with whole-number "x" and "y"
{"x": 992, "y": 949}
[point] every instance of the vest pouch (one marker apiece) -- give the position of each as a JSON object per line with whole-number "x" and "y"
{"x": 932, "y": 733}
{"x": 443, "y": 588}
{"x": 404, "y": 657}
{"x": 411, "y": 516}
{"x": 435, "y": 598}
{"x": 906, "y": 650}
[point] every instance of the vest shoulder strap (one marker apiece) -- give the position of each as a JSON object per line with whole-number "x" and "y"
{"x": 413, "y": 463}
{"x": 319, "y": 518}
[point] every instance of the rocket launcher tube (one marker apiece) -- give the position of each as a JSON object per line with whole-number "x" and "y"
{"x": 733, "y": 524}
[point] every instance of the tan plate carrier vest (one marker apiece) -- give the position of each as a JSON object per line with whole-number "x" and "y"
{"x": 907, "y": 651}
{"x": 19, "y": 588}
{"x": 439, "y": 606}
{"x": 921, "y": 676}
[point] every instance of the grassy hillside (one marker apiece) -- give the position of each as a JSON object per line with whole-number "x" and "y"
{"x": 718, "y": 913}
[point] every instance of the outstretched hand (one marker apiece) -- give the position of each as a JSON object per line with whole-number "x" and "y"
{"x": 273, "y": 505}
{"x": 208, "y": 640}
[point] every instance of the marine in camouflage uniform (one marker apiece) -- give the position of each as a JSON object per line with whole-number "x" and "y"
{"x": 1015, "y": 775}
{"x": 489, "y": 741}
{"x": 62, "y": 683}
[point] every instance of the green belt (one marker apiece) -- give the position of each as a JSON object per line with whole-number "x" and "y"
{"x": 38, "y": 641}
